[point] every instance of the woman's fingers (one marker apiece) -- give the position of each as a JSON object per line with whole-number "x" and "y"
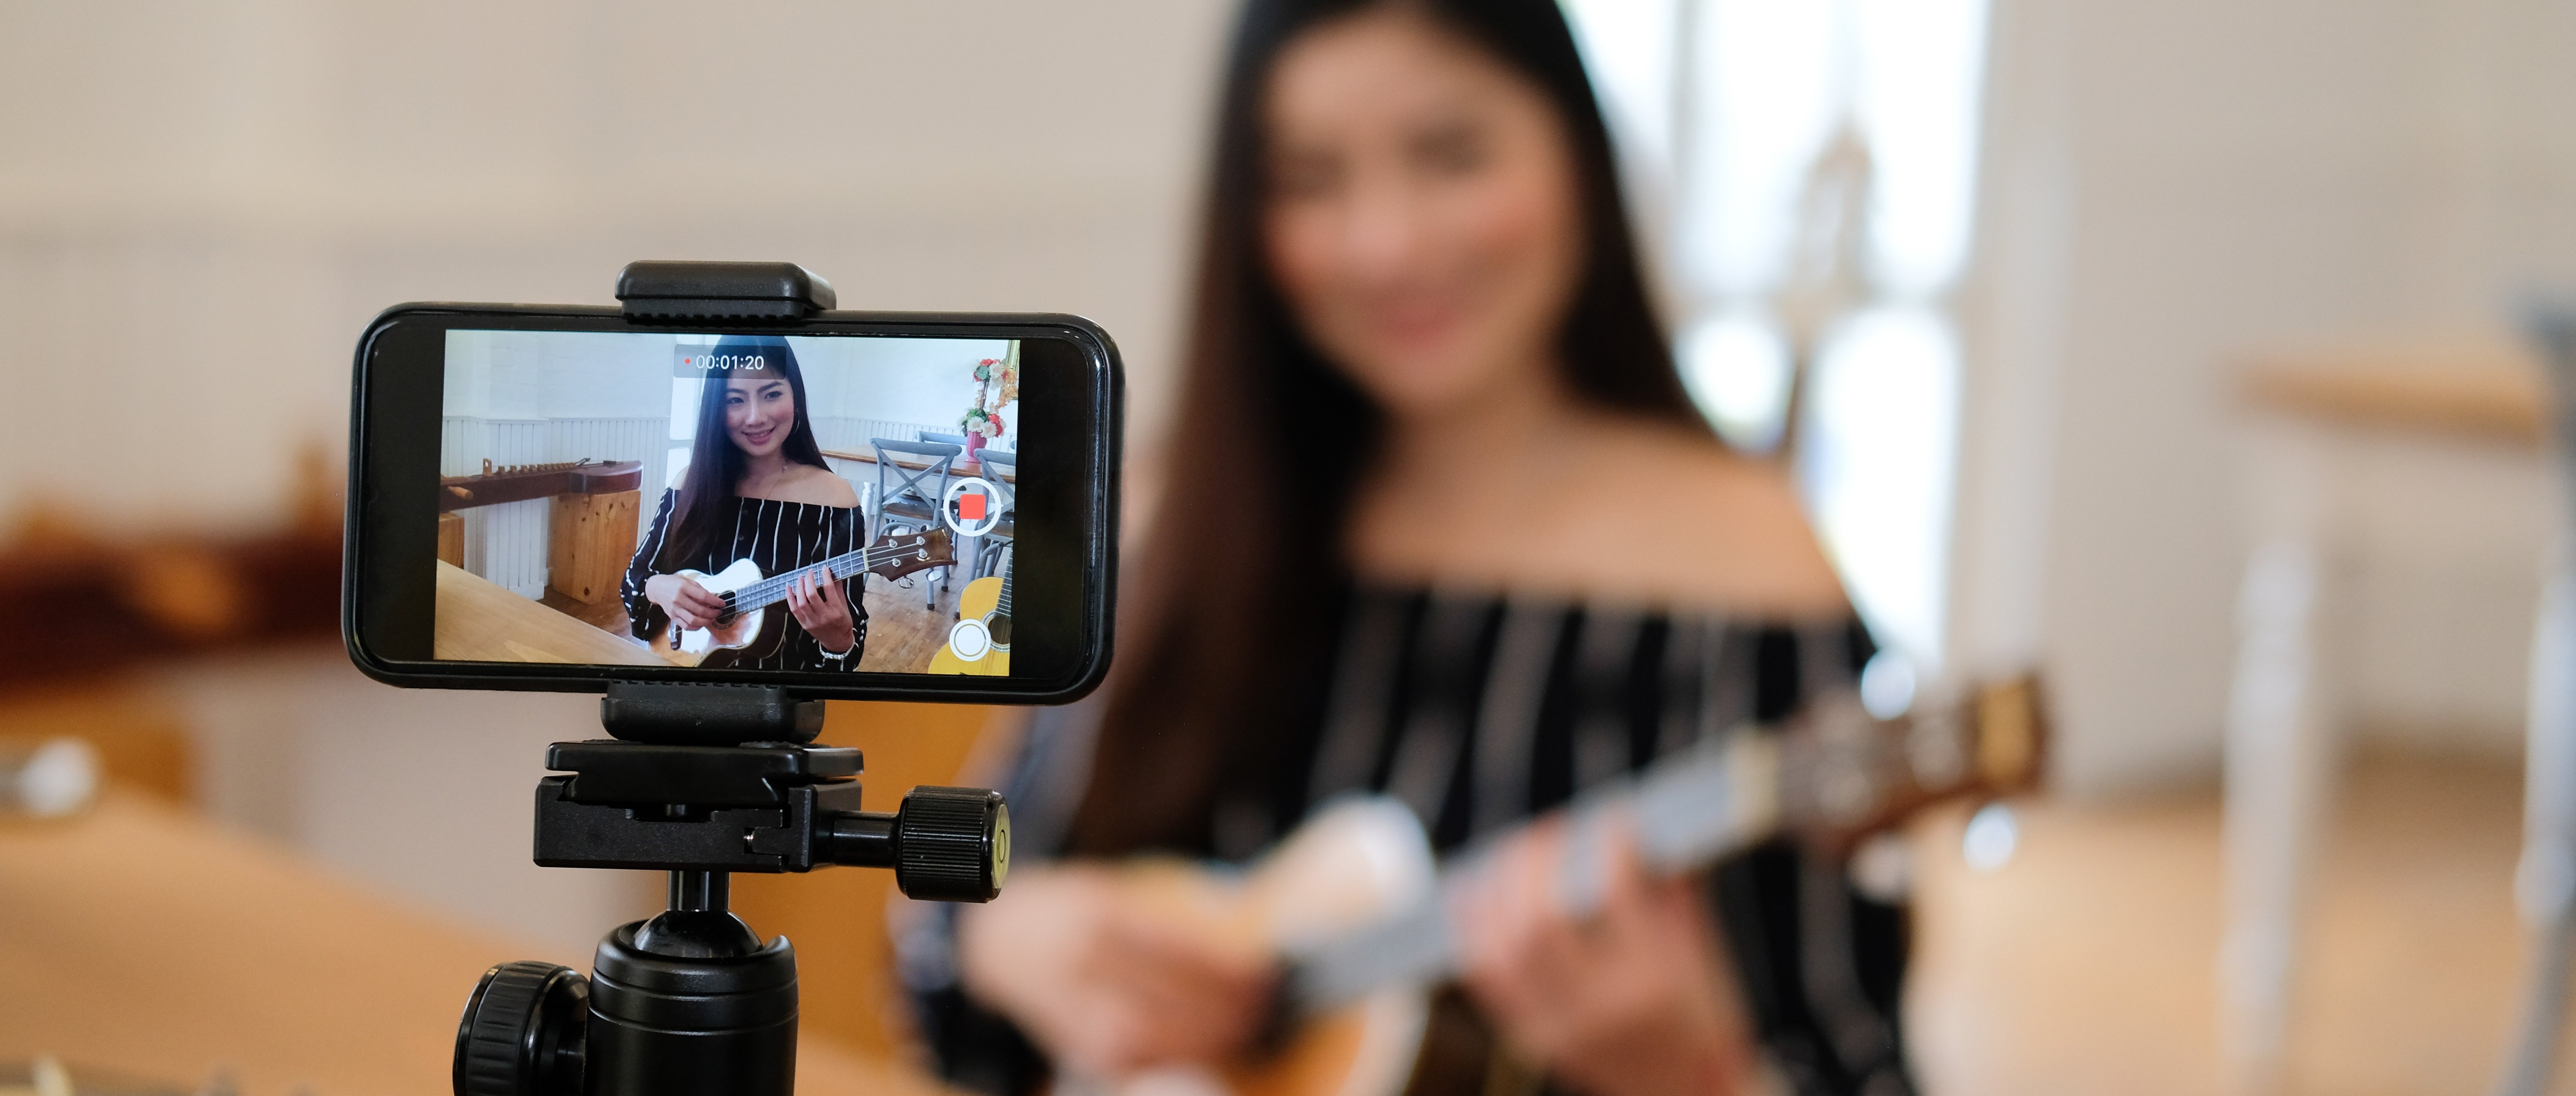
{"x": 1628, "y": 993}
{"x": 1203, "y": 1001}
{"x": 706, "y": 606}
{"x": 694, "y": 606}
{"x": 1107, "y": 987}
{"x": 806, "y": 600}
{"x": 810, "y": 598}
{"x": 1510, "y": 910}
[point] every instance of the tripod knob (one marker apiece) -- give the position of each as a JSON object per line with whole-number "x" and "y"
{"x": 522, "y": 1032}
{"x": 952, "y": 844}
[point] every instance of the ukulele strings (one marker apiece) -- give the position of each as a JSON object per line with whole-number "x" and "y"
{"x": 770, "y": 589}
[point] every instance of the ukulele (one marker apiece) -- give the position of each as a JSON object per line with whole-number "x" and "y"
{"x": 1353, "y": 904}
{"x": 980, "y": 642}
{"x": 748, "y": 630}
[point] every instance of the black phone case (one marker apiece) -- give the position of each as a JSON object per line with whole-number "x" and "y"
{"x": 1098, "y": 543}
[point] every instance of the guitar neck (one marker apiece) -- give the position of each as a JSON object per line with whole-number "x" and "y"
{"x": 1834, "y": 775}
{"x": 1687, "y": 812}
{"x": 770, "y": 591}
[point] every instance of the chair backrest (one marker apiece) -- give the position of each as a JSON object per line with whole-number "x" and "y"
{"x": 998, "y": 463}
{"x": 911, "y": 481}
{"x": 958, "y": 440}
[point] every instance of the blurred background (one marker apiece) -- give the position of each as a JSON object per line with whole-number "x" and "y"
{"x": 2168, "y": 347}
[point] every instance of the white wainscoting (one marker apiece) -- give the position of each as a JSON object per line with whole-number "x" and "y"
{"x": 507, "y": 543}
{"x": 850, "y": 435}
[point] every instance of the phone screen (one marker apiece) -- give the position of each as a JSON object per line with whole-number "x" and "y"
{"x": 838, "y": 503}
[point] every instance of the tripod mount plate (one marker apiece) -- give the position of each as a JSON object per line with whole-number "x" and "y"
{"x": 762, "y": 807}
{"x": 758, "y": 774}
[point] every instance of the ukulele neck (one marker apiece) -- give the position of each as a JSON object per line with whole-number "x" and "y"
{"x": 770, "y": 591}
{"x": 1837, "y": 775}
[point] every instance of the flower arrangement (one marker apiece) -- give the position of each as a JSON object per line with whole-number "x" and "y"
{"x": 983, "y": 421}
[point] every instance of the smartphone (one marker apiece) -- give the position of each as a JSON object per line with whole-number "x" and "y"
{"x": 854, "y": 505}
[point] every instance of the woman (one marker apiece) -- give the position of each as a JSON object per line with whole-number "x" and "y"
{"x": 1454, "y": 534}
{"x": 756, "y": 488}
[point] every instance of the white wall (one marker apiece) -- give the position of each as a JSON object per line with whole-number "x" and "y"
{"x": 201, "y": 205}
{"x": 926, "y": 381}
{"x": 2176, "y": 185}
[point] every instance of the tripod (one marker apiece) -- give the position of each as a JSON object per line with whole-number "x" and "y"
{"x": 702, "y": 781}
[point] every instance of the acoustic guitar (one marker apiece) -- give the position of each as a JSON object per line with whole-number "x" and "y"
{"x": 1353, "y": 904}
{"x": 980, "y": 642}
{"x": 749, "y": 630}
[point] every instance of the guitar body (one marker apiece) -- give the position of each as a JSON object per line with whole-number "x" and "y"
{"x": 983, "y": 624}
{"x": 759, "y": 631}
{"x": 746, "y": 635}
{"x": 1353, "y": 865}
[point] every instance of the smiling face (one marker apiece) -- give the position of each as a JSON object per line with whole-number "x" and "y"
{"x": 1422, "y": 217}
{"x": 759, "y": 410}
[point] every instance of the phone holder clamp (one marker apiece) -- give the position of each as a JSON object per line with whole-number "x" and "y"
{"x": 666, "y": 291}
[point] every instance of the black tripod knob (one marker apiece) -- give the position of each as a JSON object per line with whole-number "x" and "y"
{"x": 945, "y": 844}
{"x": 952, "y": 844}
{"x": 522, "y": 1032}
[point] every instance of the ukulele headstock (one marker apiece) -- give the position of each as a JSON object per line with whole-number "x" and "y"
{"x": 896, "y": 555}
{"x": 1845, "y": 774}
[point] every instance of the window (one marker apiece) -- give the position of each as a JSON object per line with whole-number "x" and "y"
{"x": 1810, "y": 167}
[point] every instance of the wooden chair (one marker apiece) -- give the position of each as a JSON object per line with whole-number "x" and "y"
{"x": 912, "y": 501}
{"x": 997, "y": 463}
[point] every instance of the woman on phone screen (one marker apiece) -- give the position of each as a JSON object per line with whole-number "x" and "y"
{"x": 756, "y": 488}
{"x": 1455, "y": 535}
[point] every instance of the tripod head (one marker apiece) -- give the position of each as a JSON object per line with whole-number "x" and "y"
{"x": 717, "y": 778}
{"x": 703, "y": 781}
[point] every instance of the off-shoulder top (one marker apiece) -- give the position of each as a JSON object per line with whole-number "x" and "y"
{"x": 779, "y": 537}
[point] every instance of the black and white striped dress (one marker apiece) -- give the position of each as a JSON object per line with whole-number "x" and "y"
{"x": 1480, "y": 711}
{"x": 779, "y": 537}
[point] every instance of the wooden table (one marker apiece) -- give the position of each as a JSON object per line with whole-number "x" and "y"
{"x": 962, "y": 464}
{"x": 144, "y": 940}
{"x": 479, "y": 621}
{"x": 2309, "y": 416}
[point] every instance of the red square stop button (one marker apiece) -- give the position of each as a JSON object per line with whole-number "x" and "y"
{"x": 970, "y": 507}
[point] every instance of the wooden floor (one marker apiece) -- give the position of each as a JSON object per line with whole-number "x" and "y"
{"x": 902, "y": 632}
{"x": 2088, "y": 963}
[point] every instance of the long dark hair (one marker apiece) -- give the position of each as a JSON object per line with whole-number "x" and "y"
{"x": 1232, "y": 609}
{"x": 715, "y": 462}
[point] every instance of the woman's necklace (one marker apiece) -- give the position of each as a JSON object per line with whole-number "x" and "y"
{"x": 758, "y": 482}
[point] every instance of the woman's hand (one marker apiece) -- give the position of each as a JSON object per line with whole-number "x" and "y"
{"x": 824, "y": 609}
{"x": 1107, "y": 984}
{"x": 688, "y": 603}
{"x": 1631, "y": 999}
